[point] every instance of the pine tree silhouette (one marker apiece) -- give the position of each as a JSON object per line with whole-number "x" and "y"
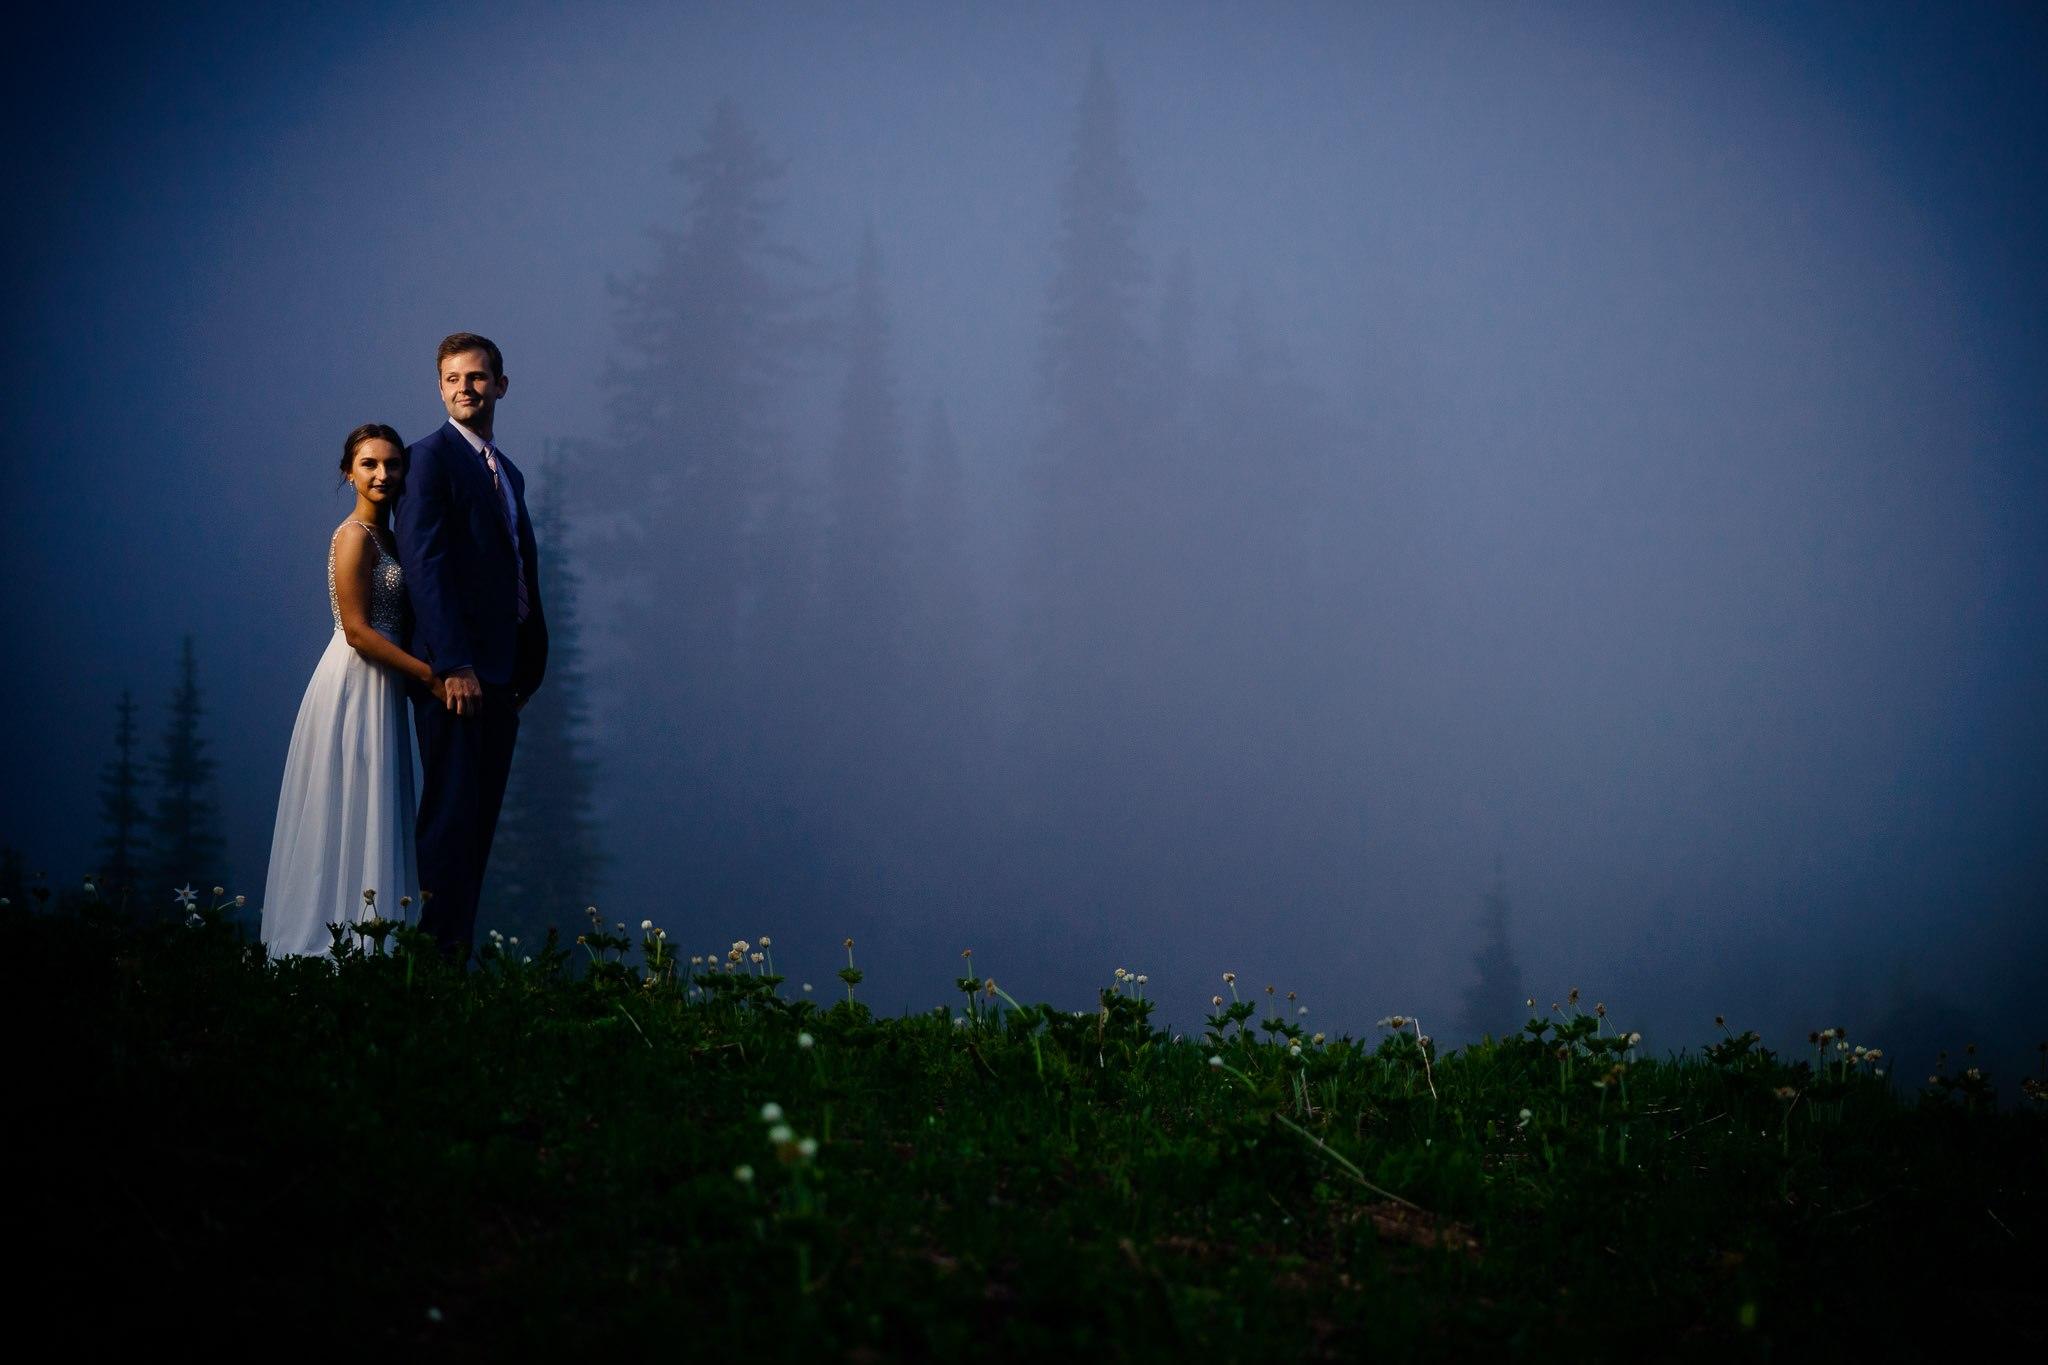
{"x": 1090, "y": 589}
{"x": 710, "y": 529}
{"x": 546, "y": 861}
{"x": 948, "y": 648}
{"x": 123, "y": 843}
{"x": 184, "y": 835}
{"x": 1494, "y": 999}
{"x": 1094, "y": 359}
{"x": 861, "y": 703}
{"x": 864, "y": 591}
{"x": 707, "y": 335}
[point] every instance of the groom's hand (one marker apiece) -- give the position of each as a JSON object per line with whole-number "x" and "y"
{"x": 462, "y": 693}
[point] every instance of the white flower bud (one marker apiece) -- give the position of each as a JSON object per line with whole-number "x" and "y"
{"x": 771, "y": 1112}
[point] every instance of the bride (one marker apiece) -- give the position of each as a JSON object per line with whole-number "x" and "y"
{"x": 345, "y": 810}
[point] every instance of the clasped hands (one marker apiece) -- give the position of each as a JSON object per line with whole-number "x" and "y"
{"x": 461, "y": 693}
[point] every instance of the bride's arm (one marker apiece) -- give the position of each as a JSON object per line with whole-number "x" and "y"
{"x": 354, "y": 562}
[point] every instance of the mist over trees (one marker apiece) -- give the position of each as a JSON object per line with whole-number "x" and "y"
{"x": 1182, "y": 509}
{"x": 832, "y": 704}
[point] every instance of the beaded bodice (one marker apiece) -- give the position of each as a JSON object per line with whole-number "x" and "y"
{"x": 387, "y": 585}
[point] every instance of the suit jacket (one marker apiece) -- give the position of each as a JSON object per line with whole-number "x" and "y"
{"x": 460, "y": 572}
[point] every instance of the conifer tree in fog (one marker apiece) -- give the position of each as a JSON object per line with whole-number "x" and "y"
{"x": 123, "y": 842}
{"x": 704, "y": 342}
{"x": 864, "y": 590}
{"x": 1494, "y": 999}
{"x": 947, "y": 675}
{"x": 545, "y": 862}
{"x": 184, "y": 832}
{"x": 1085, "y": 627}
{"x": 708, "y": 543}
{"x": 1255, "y": 480}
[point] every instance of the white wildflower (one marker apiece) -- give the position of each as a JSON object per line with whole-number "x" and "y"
{"x": 781, "y": 1133}
{"x": 807, "y": 1148}
{"x": 806, "y": 1041}
{"x": 743, "y": 1174}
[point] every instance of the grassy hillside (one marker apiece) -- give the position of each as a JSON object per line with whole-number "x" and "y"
{"x": 570, "y": 1154}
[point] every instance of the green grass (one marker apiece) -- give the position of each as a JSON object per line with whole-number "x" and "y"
{"x": 539, "y": 1158}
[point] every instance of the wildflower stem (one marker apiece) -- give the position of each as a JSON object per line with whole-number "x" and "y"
{"x": 1423, "y": 1048}
{"x": 635, "y": 1023}
{"x": 1349, "y": 1166}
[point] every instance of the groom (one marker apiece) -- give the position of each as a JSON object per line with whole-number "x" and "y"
{"x": 472, "y": 572}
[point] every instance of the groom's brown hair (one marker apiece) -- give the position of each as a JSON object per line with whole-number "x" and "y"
{"x": 459, "y": 342}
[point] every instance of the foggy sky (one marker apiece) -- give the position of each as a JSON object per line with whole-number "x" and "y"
{"x": 1692, "y": 359}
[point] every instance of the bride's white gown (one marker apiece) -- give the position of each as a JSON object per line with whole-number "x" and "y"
{"x": 345, "y": 810}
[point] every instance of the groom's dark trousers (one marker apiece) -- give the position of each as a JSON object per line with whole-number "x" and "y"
{"x": 466, "y": 760}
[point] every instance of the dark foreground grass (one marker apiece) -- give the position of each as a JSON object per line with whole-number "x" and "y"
{"x": 528, "y": 1162}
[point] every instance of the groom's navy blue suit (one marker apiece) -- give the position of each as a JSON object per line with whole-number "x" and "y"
{"x": 462, "y": 576}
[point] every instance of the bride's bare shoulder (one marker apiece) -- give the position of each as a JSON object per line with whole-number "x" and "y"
{"x": 349, "y": 542}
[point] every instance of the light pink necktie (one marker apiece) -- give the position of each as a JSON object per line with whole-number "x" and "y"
{"x": 511, "y": 526}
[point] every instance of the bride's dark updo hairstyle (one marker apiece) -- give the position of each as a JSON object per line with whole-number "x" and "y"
{"x": 368, "y": 431}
